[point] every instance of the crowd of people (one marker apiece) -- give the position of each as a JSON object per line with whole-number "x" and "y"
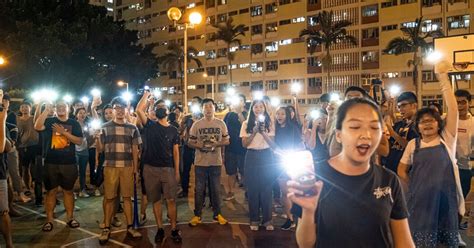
{"x": 385, "y": 178}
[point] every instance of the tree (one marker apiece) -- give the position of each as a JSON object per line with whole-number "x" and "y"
{"x": 413, "y": 41}
{"x": 329, "y": 33}
{"x": 173, "y": 60}
{"x": 70, "y": 44}
{"x": 229, "y": 34}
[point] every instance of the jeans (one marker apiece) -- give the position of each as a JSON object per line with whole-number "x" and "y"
{"x": 259, "y": 179}
{"x": 203, "y": 174}
{"x": 465, "y": 178}
{"x": 13, "y": 170}
{"x": 82, "y": 159}
{"x": 92, "y": 165}
{"x": 188, "y": 159}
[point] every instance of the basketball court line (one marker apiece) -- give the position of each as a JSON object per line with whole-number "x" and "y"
{"x": 94, "y": 235}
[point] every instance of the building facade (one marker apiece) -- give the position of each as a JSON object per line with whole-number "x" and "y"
{"x": 272, "y": 56}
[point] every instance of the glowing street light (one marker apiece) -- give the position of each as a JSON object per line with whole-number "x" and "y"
{"x": 3, "y": 61}
{"x": 434, "y": 57}
{"x": 122, "y": 83}
{"x": 195, "y": 18}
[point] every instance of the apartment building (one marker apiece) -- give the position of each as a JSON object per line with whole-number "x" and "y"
{"x": 272, "y": 56}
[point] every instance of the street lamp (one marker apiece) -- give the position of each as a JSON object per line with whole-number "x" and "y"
{"x": 174, "y": 14}
{"x": 212, "y": 84}
{"x": 122, "y": 83}
{"x": 3, "y": 61}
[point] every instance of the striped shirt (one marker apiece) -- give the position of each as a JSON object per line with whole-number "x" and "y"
{"x": 117, "y": 140}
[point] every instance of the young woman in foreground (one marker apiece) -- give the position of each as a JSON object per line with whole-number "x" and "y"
{"x": 360, "y": 204}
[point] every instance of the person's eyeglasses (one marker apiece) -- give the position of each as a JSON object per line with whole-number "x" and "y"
{"x": 402, "y": 105}
{"x": 463, "y": 102}
{"x": 427, "y": 121}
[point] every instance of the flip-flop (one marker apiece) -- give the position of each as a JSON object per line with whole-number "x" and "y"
{"x": 73, "y": 223}
{"x": 47, "y": 227}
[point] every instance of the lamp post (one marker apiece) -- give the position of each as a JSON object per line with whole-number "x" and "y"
{"x": 122, "y": 83}
{"x": 212, "y": 84}
{"x": 174, "y": 14}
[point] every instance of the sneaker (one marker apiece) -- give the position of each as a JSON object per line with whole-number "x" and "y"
{"x": 220, "y": 219}
{"x": 27, "y": 193}
{"x": 176, "y": 235}
{"x": 133, "y": 233}
{"x": 83, "y": 194}
{"x": 142, "y": 220}
{"x": 269, "y": 227}
{"x": 116, "y": 222}
{"x": 253, "y": 227}
{"x": 230, "y": 197}
{"x": 97, "y": 192}
{"x": 104, "y": 236}
{"x": 160, "y": 235}
{"x": 288, "y": 225}
{"x": 23, "y": 198}
{"x": 195, "y": 221}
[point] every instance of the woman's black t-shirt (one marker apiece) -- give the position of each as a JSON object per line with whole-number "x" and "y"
{"x": 355, "y": 211}
{"x": 289, "y": 138}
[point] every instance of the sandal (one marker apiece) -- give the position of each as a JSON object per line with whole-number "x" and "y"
{"x": 73, "y": 223}
{"x": 47, "y": 227}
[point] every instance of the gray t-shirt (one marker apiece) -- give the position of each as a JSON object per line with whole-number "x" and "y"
{"x": 208, "y": 132}
{"x": 27, "y": 135}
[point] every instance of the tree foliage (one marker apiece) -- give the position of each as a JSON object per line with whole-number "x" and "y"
{"x": 71, "y": 45}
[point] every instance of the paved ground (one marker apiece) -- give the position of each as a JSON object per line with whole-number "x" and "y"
{"x": 27, "y": 229}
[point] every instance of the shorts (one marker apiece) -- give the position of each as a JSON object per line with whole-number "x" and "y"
{"x": 64, "y": 175}
{"x": 160, "y": 181}
{"x": 3, "y": 197}
{"x": 234, "y": 161}
{"x": 118, "y": 177}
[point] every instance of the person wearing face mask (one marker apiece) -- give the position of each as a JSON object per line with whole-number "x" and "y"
{"x": 257, "y": 135}
{"x": 353, "y": 203}
{"x": 61, "y": 134}
{"x": 161, "y": 165}
{"x": 428, "y": 165}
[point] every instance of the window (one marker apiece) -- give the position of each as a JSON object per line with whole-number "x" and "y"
{"x": 271, "y": 47}
{"x": 244, "y": 47}
{"x": 313, "y": 1}
{"x": 233, "y": 49}
{"x": 201, "y": 53}
{"x": 271, "y": 8}
{"x": 407, "y": 74}
{"x": 370, "y": 56}
{"x": 283, "y": 2}
{"x": 271, "y": 27}
{"x": 428, "y": 76}
{"x": 301, "y": 101}
{"x": 430, "y": 3}
{"x": 285, "y": 81}
{"x": 222, "y": 70}
{"x": 210, "y": 36}
{"x": 407, "y": 1}
{"x": 428, "y": 100}
{"x": 370, "y": 33}
{"x": 298, "y": 19}
{"x": 211, "y": 54}
{"x": 389, "y": 27}
{"x": 211, "y": 20}
{"x": 314, "y": 82}
{"x": 272, "y": 85}
{"x": 257, "y": 48}
{"x": 285, "y": 42}
{"x": 245, "y": 84}
{"x": 221, "y": 2}
{"x": 312, "y": 21}
{"x": 221, "y": 87}
{"x": 298, "y": 60}
{"x": 245, "y": 65}
{"x": 256, "y": 85}
{"x": 455, "y": 22}
{"x": 256, "y": 67}
{"x": 233, "y": 13}
{"x": 243, "y": 11}
{"x": 390, "y": 75}
{"x": 370, "y": 10}
{"x": 409, "y": 24}
{"x": 285, "y": 22}
{"x": 256, "y": 11}
{"x": 222, "y": 18}
{"x": 211, "y": 71}
{"x": 221, "y": 52}
{"x": 200, "y": 86}
{"x": 256, "y": 29}
{"x": 431, "y": 25}
{"x": 314, "y": 61}
{"x": 210, "y": 3}
{"x": 271, "y": 65}
{"x": 285, "y": 61}
{"x": 389, "y": 4}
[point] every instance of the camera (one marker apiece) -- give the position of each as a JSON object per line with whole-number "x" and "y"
{"x": 376, "y": 81}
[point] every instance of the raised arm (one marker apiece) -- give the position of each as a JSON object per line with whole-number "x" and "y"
{"x": 141, "y": 108}
{"x": 452, "y": 115}
{"x": 39, "y": 123}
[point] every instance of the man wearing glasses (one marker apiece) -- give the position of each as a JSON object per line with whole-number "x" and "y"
{"x": 402, "y": 131}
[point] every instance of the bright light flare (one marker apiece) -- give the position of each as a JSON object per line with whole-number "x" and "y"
{"x": 96, "y": 124}
{"x": 298, "y": 163}
{"x": 146, "y": 87}
{"x": 68, "y": 98}
{"x": 261, "y": 118}
{"x": 258, "y": 95}
{"x": 3, "y": 61}
{"x": 195, "y": 18}
{"x": 95, "y": 92}
{"x": 127, "y": 96}
{"x": 434, "y": 57}
{"x": 275, "y": 101}
{"x": 394, "y": 90}
{"x": 315, "y": 114}
{"x": 168, "y": 103}
{"x": 196, "y": 109}
{"x": 156, "y": 93}
{"x": 295, "y": 88}
{"x": 230, "y": 91}
{"x": 335, "y": 97}
{"x": 36, "y": 96}
{"x": 85, "y": 99}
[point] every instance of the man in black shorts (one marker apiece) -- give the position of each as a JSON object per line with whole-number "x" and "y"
{"x": 161, "y": 165}
{"x": 61, "y": 134}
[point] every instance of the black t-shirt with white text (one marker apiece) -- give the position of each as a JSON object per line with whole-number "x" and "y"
{"x": 158, "y": 151}
{"x": 58, "y": 149}
{"x": 355, "y": 211}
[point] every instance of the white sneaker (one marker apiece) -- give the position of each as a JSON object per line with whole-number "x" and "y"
{"x": 269, "y": 227}
{"x": 24, "y": 198}
{"x": 97, "y": 192}
{"x": 83, "y": 194}
{"x": 134, "y": 233}
{"x": 253, "y": 227}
